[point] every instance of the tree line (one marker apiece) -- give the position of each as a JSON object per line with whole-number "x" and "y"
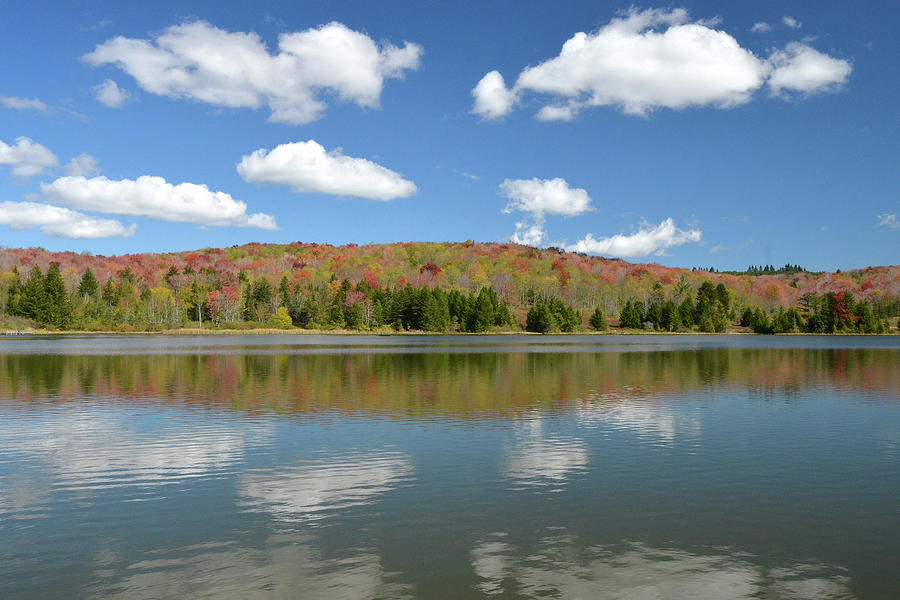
{"x": 126, "y": 303}
{"x": 833, "y": 312}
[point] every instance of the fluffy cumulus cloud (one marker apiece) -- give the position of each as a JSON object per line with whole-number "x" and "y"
{"x": 57, "y": 221}
{"x": 647, "y": 240}
{"x": 110, "y": 94}
{"x": 761, "y": 27}
{"x": 26, "y": 157}
{"x": 83, "y": 164}
{"x": 234, "y": 69}
{"x": 22, "y": 103}
{"x": 529, "y": 233}
{"x": 791, "y": 22}
{"x": 492, "y": 99}
{"x": 306, "y": 167}
{"x": 155, "y": 198}
{"x": 799, "y": 68}
{"x": 538, "y": 198}
{"x": 642, "y": 61}
{"x": 545, "y": 196}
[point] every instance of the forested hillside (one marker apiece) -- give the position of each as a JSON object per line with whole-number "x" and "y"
{"x": 428, "y": 286}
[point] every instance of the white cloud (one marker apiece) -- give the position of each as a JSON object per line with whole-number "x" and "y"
{"x": 27, "y": 157}
{"x": 645, "y": 60}
{"x": 83, "y": 164}
{"x": 492, "y": 99}
{"x": 632, "y": 64}
{"x": 307, "y": 168}
{"x": 791, "y": 22}
{"x": 60, "y": 222}
{"x": 540, "y": 197}
{"x": 154, "y": 197}
{"x": 646, "y": 241}
{"x": 556, "y": 112}
{"x": 545, "y": 196}
{"x": 204, "y": 63}
{"x": 110, "y": 94}
{"x": 22, "y": 103}
{"x": 889, "y": 221}
{"x": 803, "y": 69}
{"x": 529, "y": 234}
{"x": 761, "y": 27}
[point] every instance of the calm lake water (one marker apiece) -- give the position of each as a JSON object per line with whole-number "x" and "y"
{"x": 450, "y": 467}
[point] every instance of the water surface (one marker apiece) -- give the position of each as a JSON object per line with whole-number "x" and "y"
{"x": 450, "y": 467}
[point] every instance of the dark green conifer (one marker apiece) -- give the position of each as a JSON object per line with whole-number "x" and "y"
{"x": 598, "y": 320}
{"x": 89, "y": 286}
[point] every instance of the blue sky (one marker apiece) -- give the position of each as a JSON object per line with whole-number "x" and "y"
{"x": 718, "y": 135}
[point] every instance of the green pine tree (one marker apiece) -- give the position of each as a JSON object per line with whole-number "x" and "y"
{"x": 32, "y": 303}
{"x": 540, "y": 319}
{"x": 598, "y": 320}
{"x": 89, "y": 286}
{"x": 57, "y": 310}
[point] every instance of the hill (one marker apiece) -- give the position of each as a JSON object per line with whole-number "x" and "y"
{"x": 250, "y": 283}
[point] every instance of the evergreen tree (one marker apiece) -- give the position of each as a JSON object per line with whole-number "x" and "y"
{"x": 631, "y": 316}
{"x": 310, "y": 314}
{"x": 686, "y": 312}
{"x": 432, "y": 317}
{"x": 760, "y": 322}
{"x": 33, "y": 301}
{"x": 723, "y": 300}
{"x": 540, "y": 319}
{"x": 598, "y": 320}
{"x": 459, "y": 309}
{"x": 284, "y": 291}
{"x": 786, "y": 321}
{"x": 89, "y": 286}
{"x": 504, "y": 316}
{"x": 676, "y": 323}
{"x": 110, "y": 294}
{"x": 747, "y": 317}
{"x": 865, "y": 318}
{"x": 566, "y": 318}
{"x": 14, "y": 293}
{"x": 443, "y": 309}
{"x": 353, "y": 316}
{"x": 57, "y": 311}
{"x": 483, "y": 313}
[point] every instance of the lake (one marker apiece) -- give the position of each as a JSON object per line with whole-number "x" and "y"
{"x": 303, "y": 466}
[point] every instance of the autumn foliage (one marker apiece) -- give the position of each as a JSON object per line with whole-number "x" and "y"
{"x": 220, "y": 285}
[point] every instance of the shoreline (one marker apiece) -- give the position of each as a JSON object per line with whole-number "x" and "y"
{"x": 349, "y": 332}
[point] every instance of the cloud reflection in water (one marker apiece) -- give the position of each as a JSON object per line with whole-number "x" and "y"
{"x": 641, "y": 416}
{"x": 284, "y": 567}
{"x": 92, "y": 450}
{"x": 559, "y": 568}
{"x": 307, "y": 491}
{"x": 539, "y": 459}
